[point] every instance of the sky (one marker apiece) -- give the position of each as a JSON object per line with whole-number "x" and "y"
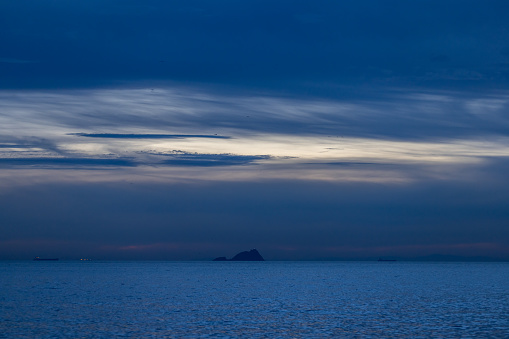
{"x": 188, "y": 130}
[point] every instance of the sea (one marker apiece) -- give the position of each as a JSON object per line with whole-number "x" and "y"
{"x": 106, "y": 299}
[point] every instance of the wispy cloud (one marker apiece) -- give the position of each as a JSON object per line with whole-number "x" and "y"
{"x": 14, "y": 146}
{"x": 399, "y": 131}
{"x": 208, "y": 160}
{"x": 398, "y": 114}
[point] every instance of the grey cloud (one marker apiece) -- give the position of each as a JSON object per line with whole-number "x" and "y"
{"x": 209, "y": 160}
{"x": 147, "y": 136}
{"x": 16, "y": 146}
{"x": 389, "y": 114}
{"x": 159, "y": 159}
{"x": 64, "y": 162}
{"x": 344, "y": 163}
{"x": 24, "y": 142}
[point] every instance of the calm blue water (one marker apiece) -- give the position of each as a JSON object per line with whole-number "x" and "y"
{"x": 260, "y": 299}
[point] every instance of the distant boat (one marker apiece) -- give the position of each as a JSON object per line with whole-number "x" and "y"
{"x": 380, "y": 259}
{"x": 45, "y": 259}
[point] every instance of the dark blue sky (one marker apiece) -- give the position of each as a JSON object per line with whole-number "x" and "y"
{"x": 262, "y": 44}
{"x": 309, "y": 130}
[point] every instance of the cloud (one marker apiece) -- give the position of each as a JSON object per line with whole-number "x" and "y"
{"x": 157, "y": 159}
{"x": 333, "y": 129}
{"x": 406, "y": 173}
{"x": 15, "y": 146}
{"x": 208, "y": 160}
{"x": 64, "y": 162}
{"x": 136, "y": 113}
{"x": 393, "y": 135}
{"x": 147, "y": 136}
{"x": 344, "y": 163}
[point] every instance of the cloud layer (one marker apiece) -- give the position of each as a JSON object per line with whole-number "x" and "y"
{"x": 392, "y": 136}
{"x": 186, "y": 130}
{"x": 171, "y": 173}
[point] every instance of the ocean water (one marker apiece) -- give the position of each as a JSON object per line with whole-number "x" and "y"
{"x": 253, "y": 299}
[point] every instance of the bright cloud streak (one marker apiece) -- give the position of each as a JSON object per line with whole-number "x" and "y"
{"x": 288, "y": 138}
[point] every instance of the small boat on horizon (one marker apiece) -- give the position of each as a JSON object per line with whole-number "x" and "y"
{"x": 45, "y": 259}
{"x": 380, "y": 259}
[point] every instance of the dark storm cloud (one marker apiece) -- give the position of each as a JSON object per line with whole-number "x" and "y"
{"x": 147, "y": 136}
{"x": 265, "y": 44}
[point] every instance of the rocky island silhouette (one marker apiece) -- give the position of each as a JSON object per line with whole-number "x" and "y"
{"x": 252, "y": 255}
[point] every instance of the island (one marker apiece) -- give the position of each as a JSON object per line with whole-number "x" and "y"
{"x": 252, "y": 255}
